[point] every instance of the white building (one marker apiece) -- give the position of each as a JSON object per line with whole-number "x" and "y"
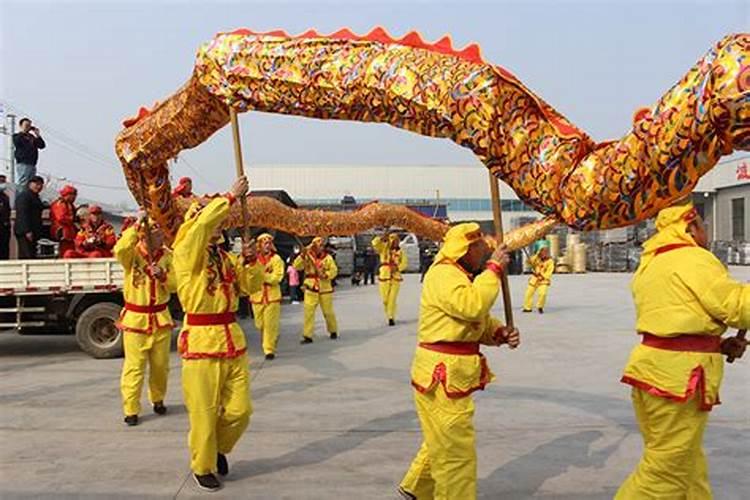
{"x": 722, "y": 196}
{"x": 464, "y": 189}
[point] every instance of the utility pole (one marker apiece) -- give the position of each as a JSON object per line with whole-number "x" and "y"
{"x": 11, "y": 149}
{"x": 9, "y": 130}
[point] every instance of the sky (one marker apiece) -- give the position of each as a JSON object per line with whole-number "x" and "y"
{"x": 78, "y": 68}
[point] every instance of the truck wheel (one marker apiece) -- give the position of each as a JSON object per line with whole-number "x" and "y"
{"x": 96, "y": 332}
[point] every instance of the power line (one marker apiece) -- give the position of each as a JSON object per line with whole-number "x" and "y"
{"x": 66, "y": 141}
{"x": 194, "y": 170}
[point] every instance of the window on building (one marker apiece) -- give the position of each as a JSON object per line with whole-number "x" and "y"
{"x": 738, "y": 219}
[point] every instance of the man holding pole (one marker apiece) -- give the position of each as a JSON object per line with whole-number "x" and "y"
{"x": 454, "y": 319}
{"x": 215, "y": 374}
{"x": 267, "y": 301}
{"x": 320, "y": 269}
{"x": 145, "y": 320}
{"x": 684, "y": 300}
{"x": 392, "y": 264}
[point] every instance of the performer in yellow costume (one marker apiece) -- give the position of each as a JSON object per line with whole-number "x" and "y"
{"x": 685, "y": 300}
{"x": 542, "y": 267}
{"x": 454, "y": 319}
{"x": 215, "y": 374}
{"x": 320, "y": 269}
{"x": 145, "y": 320}
{"x": 392, "y": 263}
{"x": 267, "y": 301}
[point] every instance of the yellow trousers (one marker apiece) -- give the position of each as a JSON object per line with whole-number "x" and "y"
{"x": 312, "y": 299}
{"x": 267, "y": 318}
{"x": 389, "y": 295}
{"x": 673, "y": 465}
{"x": 541, "y": 298}
{"x": 140, "y": 350}
{"x": 217, "y": 397}
{"x": 446, "y": 465}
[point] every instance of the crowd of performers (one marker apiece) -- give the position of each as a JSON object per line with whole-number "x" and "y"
{"x": 685, "y": 300}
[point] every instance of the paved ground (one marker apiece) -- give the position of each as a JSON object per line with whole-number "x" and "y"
{"x": 335, "y": 419}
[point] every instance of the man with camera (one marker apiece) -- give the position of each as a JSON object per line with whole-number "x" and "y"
{"x": 26, "y": 145}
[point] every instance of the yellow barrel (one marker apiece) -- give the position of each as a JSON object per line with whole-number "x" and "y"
{"x": 579, "y": 258}
{"x": 554, "y": 245}
{"x": 571, "y": 241}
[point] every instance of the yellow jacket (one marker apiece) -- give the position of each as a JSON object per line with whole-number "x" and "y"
{"x": 541, "y": 271}
{"x": 140, "y": 291}
{"x": 273, "y": 273}
{"x": 318, "y": 272}
{"x": 392, "y": 262}
{"x": 684, "y": 291}
{"x": 454, "y": 309}
{"x": 210, "y": 281}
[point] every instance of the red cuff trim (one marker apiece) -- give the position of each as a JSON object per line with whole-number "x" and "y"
{"x": 497, "y": 335}
{"x": 232, "y": 198}
{"x": 495, "y": 268}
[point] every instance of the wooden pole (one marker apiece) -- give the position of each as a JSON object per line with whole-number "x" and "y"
{"x": 498, "y": 220}
{"x": 149, "y": 243}
{"x": 240, "y": 169}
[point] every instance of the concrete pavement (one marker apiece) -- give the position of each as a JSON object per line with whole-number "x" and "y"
{"x": 335, "y": 419}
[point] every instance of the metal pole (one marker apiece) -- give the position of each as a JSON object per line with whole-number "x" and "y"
{"x": 240, "y": 169}
{"x": 497, "y": 216}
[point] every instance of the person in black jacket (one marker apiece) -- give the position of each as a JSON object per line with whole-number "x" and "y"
{"x": 371, "y": 265}
{"x": 28, "y": 228}
{"x": 27, "y": 144}
{"x": 4, "y": 220}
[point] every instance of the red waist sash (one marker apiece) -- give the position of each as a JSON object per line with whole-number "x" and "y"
{"x": 208, "y": 319}
{"x": 684, "y": 343}
{"x": 145, "y": 309}
{"x": 459, "y": 348}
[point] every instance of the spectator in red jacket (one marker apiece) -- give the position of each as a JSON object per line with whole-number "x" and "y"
{"x": 126, "y": 223}
{"x": 184, "y": 189}
{"x": 63, "y": 219}
{"x": 95, "y": 239}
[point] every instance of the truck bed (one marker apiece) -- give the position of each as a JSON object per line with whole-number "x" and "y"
{"x": 44, "y": 276}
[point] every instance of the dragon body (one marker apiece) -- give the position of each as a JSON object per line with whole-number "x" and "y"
{"x": 438, "y": 91}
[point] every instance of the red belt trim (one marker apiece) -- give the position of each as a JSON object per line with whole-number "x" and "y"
{"x": 673, "y": 246}
{"x": 214, "y": 355}
{"x": 684, "y": 343}
{"x": 145, "y": 309}
{"x": 208, "y": 319}
{"x": 458, "y": 348}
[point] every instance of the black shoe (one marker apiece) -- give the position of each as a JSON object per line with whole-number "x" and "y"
{"x": 405, "y": 494}
{"x": 207, "y": 482}
{"x": 270, "y": 355}
{"x": 334, "y": 336}
{"x": 131, "y": 420}
{"x": 526, "y": 310}
{"x": 222, "y": 466}
{"x": 391, "y": 322}
{"x": 306, "y": 340}
{"x": 541, "y": 311}
{"x": 159, "y": 408}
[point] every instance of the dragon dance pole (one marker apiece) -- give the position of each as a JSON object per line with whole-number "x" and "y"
{"x": 240, "y": 169}
{"x": 498, "y": 219}
{"x": 149, "y": 243}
